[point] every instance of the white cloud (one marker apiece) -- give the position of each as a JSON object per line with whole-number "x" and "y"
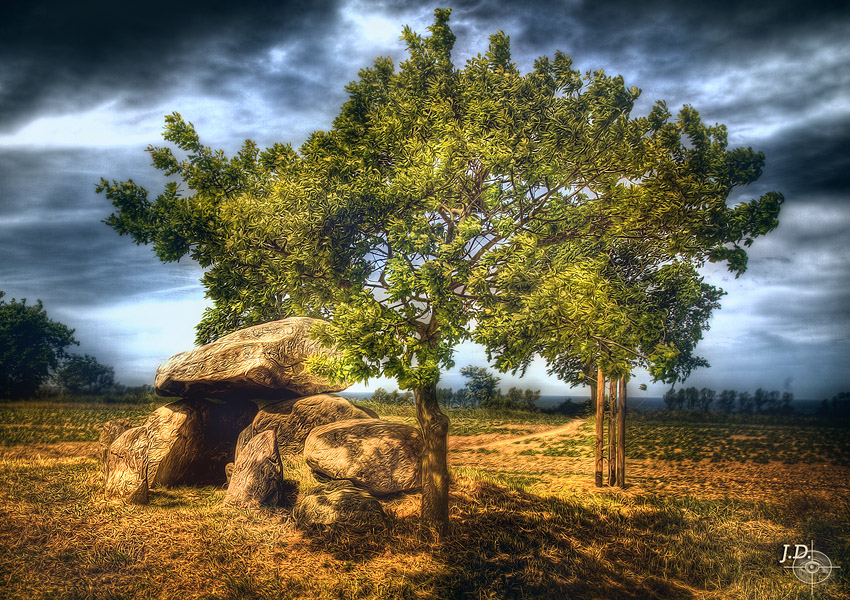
{"x": 372, "y": 29}
{"x": 104, "y": 125}
{"x": 134, "y": 337}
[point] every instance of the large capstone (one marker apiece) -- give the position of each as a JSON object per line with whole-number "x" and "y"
{"x": 381, "y": 456}
{"x": 266, "y": 361}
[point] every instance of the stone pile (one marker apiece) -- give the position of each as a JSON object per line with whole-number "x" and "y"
{"x": 252, "y": 417}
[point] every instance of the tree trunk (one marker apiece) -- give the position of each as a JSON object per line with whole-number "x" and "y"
{"x": 621, "y": 438}
{"x": 434, "y": 426}
{"x": 600, "y": 418}
{"x": 612, "y": 432}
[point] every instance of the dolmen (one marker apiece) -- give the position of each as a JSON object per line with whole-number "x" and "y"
{"x": 252, "y": 417}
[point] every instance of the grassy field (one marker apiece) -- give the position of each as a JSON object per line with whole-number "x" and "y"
{"x": 709, "y": 505}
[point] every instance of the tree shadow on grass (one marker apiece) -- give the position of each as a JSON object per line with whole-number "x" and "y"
{"x": 507, "y": 543}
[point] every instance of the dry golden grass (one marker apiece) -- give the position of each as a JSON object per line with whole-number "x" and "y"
{"x": 523, "y": 526}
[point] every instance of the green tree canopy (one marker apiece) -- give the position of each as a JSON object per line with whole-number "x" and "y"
{"x": 481, "y": 387}
{"x": 419, "y": 219}
{"x": 83, "y": 374}
{"x": 31, "y": 346}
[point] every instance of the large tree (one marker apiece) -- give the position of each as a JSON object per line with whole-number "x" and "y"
{"x": 31, "y": 346}
{"x": 403, "y": 223}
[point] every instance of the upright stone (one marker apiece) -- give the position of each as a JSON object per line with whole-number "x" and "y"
{"x": 257, "y": 478}
{"x": 266, "y": 361}
{"x": 127, "y": 467}
{"x": 191, "y": 440}
{"x": 109, "y": 432}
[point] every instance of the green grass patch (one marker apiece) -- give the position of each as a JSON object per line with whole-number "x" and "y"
{"x": 52, "y": 422}
{"x": 788, "y": 441}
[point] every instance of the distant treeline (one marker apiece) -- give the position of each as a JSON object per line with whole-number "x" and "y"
{"x": 515, "y": 399}
{"x": 839, "y": 406}
{"x": 761, "y": 402}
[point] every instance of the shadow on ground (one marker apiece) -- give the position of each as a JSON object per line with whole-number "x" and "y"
{"x": 507, "y": 543}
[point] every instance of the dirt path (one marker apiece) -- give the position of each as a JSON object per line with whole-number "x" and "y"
{"x": 568, "y": 429}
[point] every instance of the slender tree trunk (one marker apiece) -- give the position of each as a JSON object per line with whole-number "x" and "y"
{"x": 435, "y": 470}
{"x": 621, "y": 438}
{"x": 612, "y": 432}
{"x": 600, "y": 418}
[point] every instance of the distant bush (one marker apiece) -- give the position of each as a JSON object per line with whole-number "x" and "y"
{"x": 394, "y": 398}
{"x": 116, "y": 394}
{"x": 481, "y": 390}
{"x": 570, "y": 408}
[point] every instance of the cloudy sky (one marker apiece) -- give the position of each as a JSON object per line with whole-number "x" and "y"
{"x": 84, "y": 87}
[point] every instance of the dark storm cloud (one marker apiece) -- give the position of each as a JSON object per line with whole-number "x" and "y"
{"x": 776, "y": 73}
{"x": 53, "y": 243}
{"x": 814, "y": 155}
{"x": 661, "y": 32}
{"x": 67, "y": 55}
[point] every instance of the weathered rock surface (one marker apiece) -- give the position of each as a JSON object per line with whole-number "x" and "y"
{"x": 381, "y": 456}
{"x": 257, "y": 478}
{"x": 191, "y": 440}
{"x": 109, "y": 432}
{"x": 292, "y": 420}
{"x": 244, "y": 437}
{"x": 339, "y": 503}
{"x": 264, "y": 361}
{"x": 127, "y": 466}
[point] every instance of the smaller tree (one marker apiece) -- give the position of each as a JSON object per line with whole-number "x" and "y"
{"x": 31, "y": 346}
{"x": 745, "y": 403}
{"x": 380, "y": 396}
{"x": 670, "y": 399}
{"x": 773, "y": 402}
{"x": 706, "y": 399}
{"x": 529, "y": 400}
{"x": 482, "y": 387}
{"x": 726, "y": 402}
{"x": 692, "y": 397}
{"x": 85, "y": 375}
{"x": 841, "y": 405}
{"x": 518, "y": 399}
{"x": 760, "y": 399}
{"x": 446, "y": 397}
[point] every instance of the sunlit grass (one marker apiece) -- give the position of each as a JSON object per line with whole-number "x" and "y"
{"x": 60, "y": 538}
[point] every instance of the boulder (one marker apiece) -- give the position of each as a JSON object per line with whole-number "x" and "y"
{"x": 127, "y": 466}
{"x": 192, "y": 440}
{"x": 339, "y": 503}
{"x": 292, "y": 420}
{"x": 261, "y": 362}
{"x": 257, "y": 478}
{"x": 109, "y": 432}
{"x": 381, "y": 456}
